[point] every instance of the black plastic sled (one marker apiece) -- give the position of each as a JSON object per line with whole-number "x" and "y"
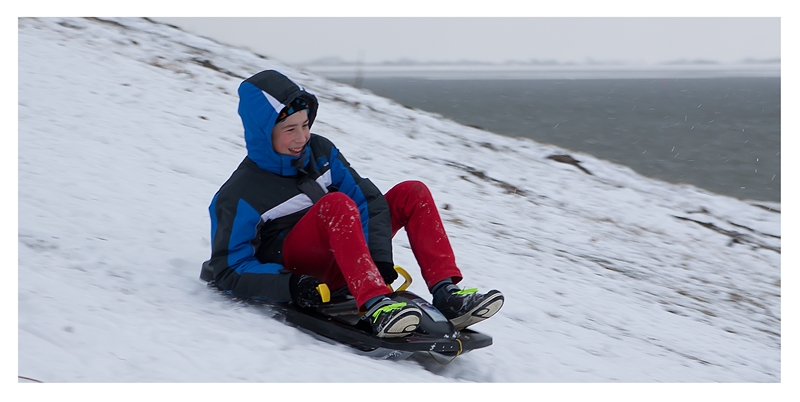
{"x": 338, "y": 321}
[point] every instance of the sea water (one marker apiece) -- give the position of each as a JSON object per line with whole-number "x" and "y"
{"x": 718, "y": 133}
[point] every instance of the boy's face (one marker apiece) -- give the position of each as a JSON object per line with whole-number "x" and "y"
{"x": 291, "y": 135}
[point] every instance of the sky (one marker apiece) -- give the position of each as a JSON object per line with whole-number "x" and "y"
{"x": 633, "y": 40}
{"x": 124, "y": 139}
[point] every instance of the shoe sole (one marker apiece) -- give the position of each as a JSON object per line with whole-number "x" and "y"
{"x": 402, "y": 325}
{"x": 491, "y": 305}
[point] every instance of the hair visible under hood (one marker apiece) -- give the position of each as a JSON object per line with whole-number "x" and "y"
{"x": 261, "y": 99}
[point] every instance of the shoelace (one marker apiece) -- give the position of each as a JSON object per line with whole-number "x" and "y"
{"x": 387, "y": 308}
{"x": 466, "y": 291}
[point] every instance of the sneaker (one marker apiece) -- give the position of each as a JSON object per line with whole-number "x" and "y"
{"x": 466, "y": 307}
{"x": 391, "y": 319}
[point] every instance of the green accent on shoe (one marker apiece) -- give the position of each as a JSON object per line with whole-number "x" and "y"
{"x": 387, "y": 308}
{"x": 466, "y": 291}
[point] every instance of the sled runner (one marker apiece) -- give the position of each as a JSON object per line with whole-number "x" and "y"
{"x": 338, "y": 320}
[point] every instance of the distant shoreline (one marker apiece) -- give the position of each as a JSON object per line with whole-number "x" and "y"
{"x": 444, "y": 72}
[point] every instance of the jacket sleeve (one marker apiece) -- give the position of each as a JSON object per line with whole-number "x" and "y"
{"x": 234, "y": 239}
{"x": 372, "y": 206}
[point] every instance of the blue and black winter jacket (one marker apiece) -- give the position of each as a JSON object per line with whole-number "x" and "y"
{"x": 268, "y": 193}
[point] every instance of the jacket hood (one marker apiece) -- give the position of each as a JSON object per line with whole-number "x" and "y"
{"x": 261, "y": 99}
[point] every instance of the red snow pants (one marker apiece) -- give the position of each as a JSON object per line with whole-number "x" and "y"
{"x": 328, "y": 242}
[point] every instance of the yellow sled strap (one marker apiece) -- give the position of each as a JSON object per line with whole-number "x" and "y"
{"x": 406, "y": 278}
{"x": 324, "y": 292}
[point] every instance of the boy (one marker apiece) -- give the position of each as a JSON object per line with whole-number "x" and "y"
{"x": 294, "y": 214}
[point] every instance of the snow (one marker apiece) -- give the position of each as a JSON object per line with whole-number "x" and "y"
{"x": 127, "y": 128}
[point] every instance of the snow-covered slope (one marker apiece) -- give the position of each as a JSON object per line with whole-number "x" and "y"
{"x": 128, "y": 127}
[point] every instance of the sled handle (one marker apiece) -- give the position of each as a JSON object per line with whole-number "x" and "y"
{"x": 324, "y": 292}
{"x": 406, "y": 279}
